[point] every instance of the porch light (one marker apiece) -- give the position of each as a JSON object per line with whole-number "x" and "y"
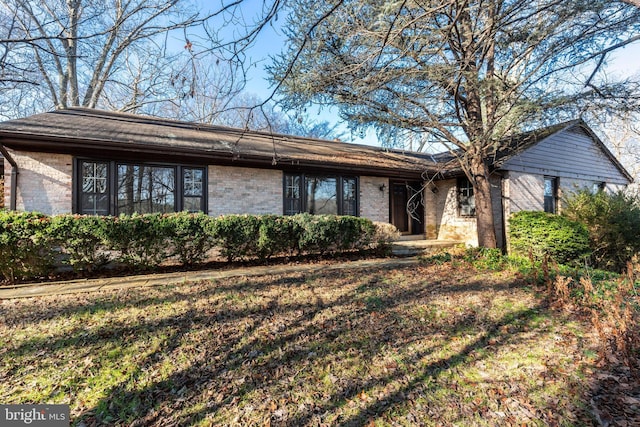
{"x": 383, "y": 187}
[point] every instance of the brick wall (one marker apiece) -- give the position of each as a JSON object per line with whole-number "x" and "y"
{"x": 44, "y": 182}
{"x": 431, "y": 205}
{"x": 234, "y": 190}
{"x": 374, "y": 204}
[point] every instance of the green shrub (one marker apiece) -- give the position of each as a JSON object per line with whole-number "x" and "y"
{"x": 541, "y": 233}
{"x": 277, "y": 235}
{"x": 189, "y": 237}
{"x": 26, "y": 249}
{"x": 141, "y": 240}
{"x": 145, "y": 241}
{"x": 319, "y": 233}
{"x": 83, "y": 239}
{"x": 613, "y": 221}
{"x": 354, "y": 233}
{"x": 236, "y": 235}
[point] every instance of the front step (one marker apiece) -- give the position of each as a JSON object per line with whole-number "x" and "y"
{"x": 420, "y": 247}
{"x": 411, "y": 237}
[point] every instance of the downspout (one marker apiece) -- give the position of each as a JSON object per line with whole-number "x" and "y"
{"x": 14, "y": 177}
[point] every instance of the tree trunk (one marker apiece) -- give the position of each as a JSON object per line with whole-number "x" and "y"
{"x": 479, "y": 171}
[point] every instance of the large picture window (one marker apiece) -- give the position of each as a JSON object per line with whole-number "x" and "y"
{"x": 145, "y": 189}
{"x": 320, "y": 194}
{"x": 114, "y": 188}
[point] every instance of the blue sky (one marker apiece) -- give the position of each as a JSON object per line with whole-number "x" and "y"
{"x": 625, "y": 62}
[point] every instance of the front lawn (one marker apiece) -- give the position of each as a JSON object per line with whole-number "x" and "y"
{"x": 428, "y": 345}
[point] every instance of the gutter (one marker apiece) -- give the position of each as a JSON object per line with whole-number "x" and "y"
{"x": 14, "y": 177}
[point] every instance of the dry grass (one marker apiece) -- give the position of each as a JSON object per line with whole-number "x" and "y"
{"x": 432, "y": 345}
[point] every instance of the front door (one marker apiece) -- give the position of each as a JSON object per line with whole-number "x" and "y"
{"x": 399, "y": 198}
{"x": 407, "y": 207}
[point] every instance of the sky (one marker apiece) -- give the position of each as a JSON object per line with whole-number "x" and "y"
{"x": 624, "y": 62}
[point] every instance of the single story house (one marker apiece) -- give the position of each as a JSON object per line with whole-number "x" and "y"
{"x": 88, "y": 161}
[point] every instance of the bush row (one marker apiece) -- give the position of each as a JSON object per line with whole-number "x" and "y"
{"x": 32, "y": 244}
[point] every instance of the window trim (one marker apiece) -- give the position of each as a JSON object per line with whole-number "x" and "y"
{"x": 302, "y": 191}
{"x": 459, "y": 187}
{"x": 112, "y": 166}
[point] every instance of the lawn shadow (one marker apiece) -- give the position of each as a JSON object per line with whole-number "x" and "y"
{"x": 269, "y": 343}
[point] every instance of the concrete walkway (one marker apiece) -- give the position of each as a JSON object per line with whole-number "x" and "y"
{"x": 125, "y": 282}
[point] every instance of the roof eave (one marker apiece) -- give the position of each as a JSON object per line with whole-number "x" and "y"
{"x": 158, "y": 152}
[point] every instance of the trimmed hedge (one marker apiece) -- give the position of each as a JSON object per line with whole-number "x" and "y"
{"x": 29, "y": 242}
{"x": 25, "y": 245}
{"x": 541, "y": 233}
{"x": 83, "y": 239}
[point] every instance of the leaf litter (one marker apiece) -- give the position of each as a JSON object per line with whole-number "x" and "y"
{"x": 427, "y": 345}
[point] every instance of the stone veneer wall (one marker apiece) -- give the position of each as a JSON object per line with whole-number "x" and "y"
{"x": 44, "y": 182}
{"x": 443, "y": 221}
{"x": 448, "y": 225}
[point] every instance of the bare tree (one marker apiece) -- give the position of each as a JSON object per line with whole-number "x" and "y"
{"x": 622, "y": 134}
{"x": 463, "y": 73}
{"x": 74, "y": 52}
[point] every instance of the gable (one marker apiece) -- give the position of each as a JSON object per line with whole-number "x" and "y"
{"x": 570, "y": 153}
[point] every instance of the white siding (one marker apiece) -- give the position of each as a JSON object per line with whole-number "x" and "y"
{"x": 568, "y": 154}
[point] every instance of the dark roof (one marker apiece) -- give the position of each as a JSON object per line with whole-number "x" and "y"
{"x": 97, "y": 133}
{"x": 90, "y": 132}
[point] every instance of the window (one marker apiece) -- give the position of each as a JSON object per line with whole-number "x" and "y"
{"x": 145, "y": 189}
{"x": 193, "y": 189}
{"x": 349, "y": 197}
{"x": 550, "y": 194}
{"x": 114, "y": 188}
{"x": 292, "y": 197}
{"x": 320, "y": 194}
{"x": 94, "y": 198}
{"x": 598, "y": 186}
{"x": 466, "y": 198}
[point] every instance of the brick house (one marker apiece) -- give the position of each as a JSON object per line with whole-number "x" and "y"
{"x": 88, "y": 161}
